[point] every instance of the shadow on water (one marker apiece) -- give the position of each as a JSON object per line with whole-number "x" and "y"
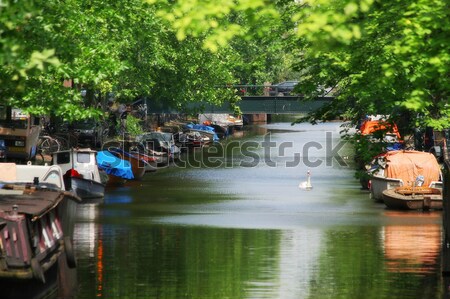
{"x": 61, "y": 283}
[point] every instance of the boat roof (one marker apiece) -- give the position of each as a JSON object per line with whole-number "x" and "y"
{"x": 30, "y": 201}
{"x": 73, "y": 150}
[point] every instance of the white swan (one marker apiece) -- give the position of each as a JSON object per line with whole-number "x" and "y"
{"x": 306, "y": 185}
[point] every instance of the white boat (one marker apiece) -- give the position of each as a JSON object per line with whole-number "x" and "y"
{"x": 36, "y": 221}
{"x": 81, "y": 173}
{"x": 403, "y": 168}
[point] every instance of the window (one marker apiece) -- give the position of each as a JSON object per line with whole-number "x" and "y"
{"x": 63, "y": 158}
{"x": 83, "y": 157}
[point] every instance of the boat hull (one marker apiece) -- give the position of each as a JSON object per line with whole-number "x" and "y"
{"x": 137, "y": 166}
{"x": 114, "y": 180}
{"x": 379, "y": 184}
{"x": 414, "y": 201}
{"x": 87, "y": 189}
{"x": 151, "y": 162}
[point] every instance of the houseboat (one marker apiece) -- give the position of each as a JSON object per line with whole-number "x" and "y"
{"x": 36, "y": 221}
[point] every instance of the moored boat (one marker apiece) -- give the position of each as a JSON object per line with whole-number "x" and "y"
{"x": 136, "y": 162}
{"x": 118, "y": 170}
{"x": 36, "y": 221}
{"x": 151, "y": 164}
{"x": 389, "y": 129}
{"x": 81, "y": 173}
{"x": 192, "y": 139}
{"x": 159, "y": 145}
{"x": 413, "y": 198}
{"x": 205, "y": 131}
{"x": 224, "y": 124}
{"x": 402, "y": 168}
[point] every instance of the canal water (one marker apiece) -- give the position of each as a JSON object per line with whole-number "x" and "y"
{"x": 231, "y": 222}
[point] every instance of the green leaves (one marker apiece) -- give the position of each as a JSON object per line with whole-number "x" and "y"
{"x": 39, "y": 59}
{"x": 124, "y": 47}
{"x": 213, "y": 19}
{"x": 381, "y": 57}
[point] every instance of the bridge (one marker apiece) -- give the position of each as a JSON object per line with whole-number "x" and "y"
{"x": 250, "y": 105}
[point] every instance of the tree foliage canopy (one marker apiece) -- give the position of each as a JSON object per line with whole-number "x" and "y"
{"x": 122, "y": 47}
{"x": 381, "y": 57}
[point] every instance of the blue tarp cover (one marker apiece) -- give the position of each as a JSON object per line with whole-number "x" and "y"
{"x": 203, "y": 128}
{"x": 114, "y": 165}
{"x": 200, "y": 127}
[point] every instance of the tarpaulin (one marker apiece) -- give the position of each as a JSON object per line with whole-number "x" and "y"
{"x": 408, "y": 165}
{"x": 370, "y": 126}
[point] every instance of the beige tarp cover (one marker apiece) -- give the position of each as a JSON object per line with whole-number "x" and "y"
{"x": 407, "y": 165}
{"x": 8, "y": 172}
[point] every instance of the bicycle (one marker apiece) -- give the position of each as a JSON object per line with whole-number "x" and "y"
{"x": 48, "y": 145}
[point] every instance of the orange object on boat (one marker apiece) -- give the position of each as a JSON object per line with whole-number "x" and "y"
{"x": 370, "y": 126}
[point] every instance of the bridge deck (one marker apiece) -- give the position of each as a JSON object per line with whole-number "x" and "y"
{"x": 254, "y": 105}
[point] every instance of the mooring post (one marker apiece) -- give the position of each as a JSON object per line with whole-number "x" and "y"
{"x": 446, "y": 209}
{"x": 446, "y": 220}
{"x": 446, "y": 226}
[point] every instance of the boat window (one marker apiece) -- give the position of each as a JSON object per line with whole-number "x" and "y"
{"x": 83, "y": 158}
{"x": 167, "y": 136}
{"x": 63, "y": 158}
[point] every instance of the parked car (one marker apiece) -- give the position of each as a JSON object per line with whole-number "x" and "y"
{"x": 283, "y": 89}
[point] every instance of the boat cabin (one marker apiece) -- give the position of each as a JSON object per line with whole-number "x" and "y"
{"x": 83, "y": 161}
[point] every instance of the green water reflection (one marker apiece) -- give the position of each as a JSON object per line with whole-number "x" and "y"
{"x": 249, "y": 232}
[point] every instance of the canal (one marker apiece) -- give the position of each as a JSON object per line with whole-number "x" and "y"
{"x": 232, "y": 222}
